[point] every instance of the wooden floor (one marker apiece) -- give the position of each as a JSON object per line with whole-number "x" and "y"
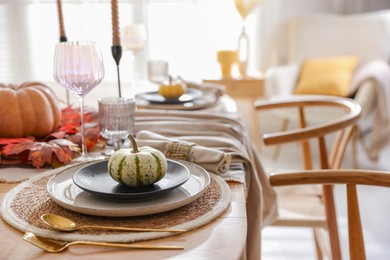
{"x": 296, "y": 243}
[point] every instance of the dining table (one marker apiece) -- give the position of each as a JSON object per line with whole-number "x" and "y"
{"x": 230, "y": 228}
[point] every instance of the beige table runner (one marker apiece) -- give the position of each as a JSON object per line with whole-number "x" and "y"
{"x": 225, "y": 132}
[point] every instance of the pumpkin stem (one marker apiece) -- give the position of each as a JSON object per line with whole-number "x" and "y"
{"x": 133, "y": 144}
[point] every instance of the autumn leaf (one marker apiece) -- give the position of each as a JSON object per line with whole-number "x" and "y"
{"x": 16, "y": 148}
{"x": 67, "y": 149}
{"x": 41, "y": 153}
{"x": 69, "y": 128}
{"x": 92, "y": 136}
{"x": 4, "y": 141}
{"x": 59, "y": 147}
{"x": 72, "y": 116}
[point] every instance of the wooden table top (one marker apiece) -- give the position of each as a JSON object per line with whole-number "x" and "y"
{"x": 224, "y": 237}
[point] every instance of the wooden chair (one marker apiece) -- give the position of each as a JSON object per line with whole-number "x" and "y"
{"x": 311, "y": 206}
{"x": 336, "y": 176}
{"x": 345, "y": 35}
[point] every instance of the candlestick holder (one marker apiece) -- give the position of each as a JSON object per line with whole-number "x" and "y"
{"x": 116, "y": 51}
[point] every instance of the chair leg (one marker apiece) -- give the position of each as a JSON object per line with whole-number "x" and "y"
{"x": 322, "y": 247}
{"x": 332, "y": 222}
{"x": 278, "y": 147}
{"x": 318, "y": 246}
{"x": 355, "y": 136}
{"x": 355, "y": 232}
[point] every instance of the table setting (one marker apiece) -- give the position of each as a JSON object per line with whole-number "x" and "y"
{"x": 214, "y": 147}
{"x": 65, "y": 199}
{"x": 210, "y": 145}
{"x": 171, "y": 169}
{"x": 196, "y": 96}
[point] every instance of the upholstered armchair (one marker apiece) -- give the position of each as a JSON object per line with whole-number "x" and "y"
{"x": 366, "y": 37}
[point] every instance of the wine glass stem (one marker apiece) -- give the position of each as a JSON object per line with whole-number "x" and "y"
{"x": 117, "y": 144}
{"x": 82, "y": 130}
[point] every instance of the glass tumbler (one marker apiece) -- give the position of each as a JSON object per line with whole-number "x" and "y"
{"x": 116, "y": 119}
{"x": 158, "y": 71}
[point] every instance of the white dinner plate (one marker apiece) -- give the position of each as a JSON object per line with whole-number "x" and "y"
{"x": 65, "y": 193}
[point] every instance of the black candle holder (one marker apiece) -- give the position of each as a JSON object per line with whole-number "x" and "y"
{"x": 116, "y": 51}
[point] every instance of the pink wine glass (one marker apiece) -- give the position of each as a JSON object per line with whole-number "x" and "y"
{"x": 78, "y": 67}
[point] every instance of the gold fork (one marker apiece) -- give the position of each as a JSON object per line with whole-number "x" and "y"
{"x": 55, "y": 246}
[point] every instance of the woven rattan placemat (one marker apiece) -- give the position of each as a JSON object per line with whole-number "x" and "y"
{"x": 22, "y": 207}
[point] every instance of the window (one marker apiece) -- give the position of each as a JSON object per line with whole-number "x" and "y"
{"x": 185, "y": 33}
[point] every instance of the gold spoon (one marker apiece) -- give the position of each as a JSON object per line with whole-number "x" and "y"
{"x": 64, "y": 224}
{"x": 55, "y": 246}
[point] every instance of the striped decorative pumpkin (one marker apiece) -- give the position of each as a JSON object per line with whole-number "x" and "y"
{"x": 137, "y": 167}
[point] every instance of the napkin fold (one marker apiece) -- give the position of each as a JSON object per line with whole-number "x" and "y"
{"x": 213, "y": 160}
{"x": 208, "y": 88}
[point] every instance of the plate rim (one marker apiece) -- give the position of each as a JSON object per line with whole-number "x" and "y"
{"x": 129, "y": 211}
{"x": 132, "y": 196}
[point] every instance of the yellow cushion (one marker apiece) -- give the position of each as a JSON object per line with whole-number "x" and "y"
{"x": 328, "y": 76}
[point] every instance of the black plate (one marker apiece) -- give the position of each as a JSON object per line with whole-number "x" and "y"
{"x": 95, "y": 179}
{"x": 154, "y": 97}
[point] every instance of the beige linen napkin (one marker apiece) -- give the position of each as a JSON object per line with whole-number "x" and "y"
{"x": 208, "y": 88}
{"x": 213, "y": 160}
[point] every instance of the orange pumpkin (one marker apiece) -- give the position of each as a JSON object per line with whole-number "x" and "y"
{"x": 172, "y": 88}
{"x": 29, "y": 109}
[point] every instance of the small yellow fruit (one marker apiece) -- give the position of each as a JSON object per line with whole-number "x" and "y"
{"x": 172, "y": 88}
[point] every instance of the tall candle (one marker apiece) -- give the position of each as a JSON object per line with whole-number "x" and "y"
{"x": 61, "y": 21}
{"x": 115, "y": 23}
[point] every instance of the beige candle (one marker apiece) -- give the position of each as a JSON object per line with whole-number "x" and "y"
{"x": 115, "y": 23}
{"x": 61, "y": 19}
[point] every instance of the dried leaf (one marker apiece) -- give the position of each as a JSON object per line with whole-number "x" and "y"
{"x": 17, "y": 148}
{"x": 4, "y": 141}
{"x": 92, "y": 136}
{"x": 41, "y": 153}
{"x": 72, "y": 116}
{"x": 63, "y": 143}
